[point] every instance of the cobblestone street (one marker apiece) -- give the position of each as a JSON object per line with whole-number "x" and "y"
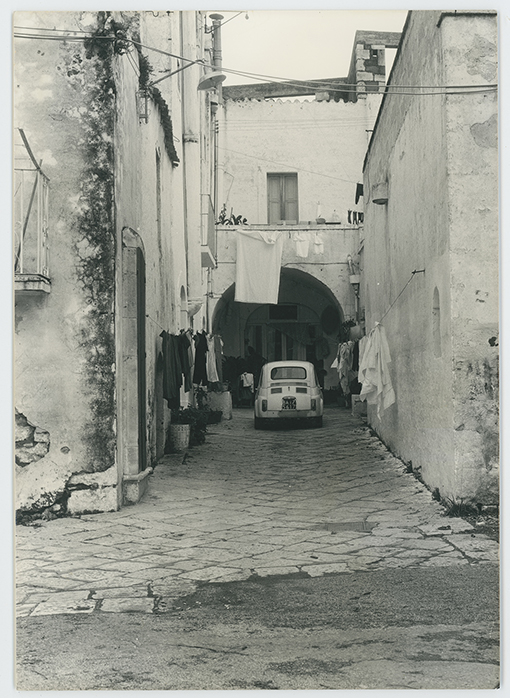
{"x": 314, "y": 501}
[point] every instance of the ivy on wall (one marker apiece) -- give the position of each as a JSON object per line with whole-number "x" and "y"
{"x": 166, "y": 121}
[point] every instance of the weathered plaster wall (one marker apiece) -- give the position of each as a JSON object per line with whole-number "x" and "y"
{"x": 434, "y": 331}
{"x": 324, "y": 142}
{"x": 470, "y": 57}
{"x": 65, "y": 340}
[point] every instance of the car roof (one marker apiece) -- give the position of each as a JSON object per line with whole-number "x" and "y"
{"x": 275, "y": 364}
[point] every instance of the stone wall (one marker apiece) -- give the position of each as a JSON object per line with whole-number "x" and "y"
{"x": 441, "y": 217}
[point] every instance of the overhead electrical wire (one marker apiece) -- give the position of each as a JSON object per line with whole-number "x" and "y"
{"x": 385, "y": 88}
{"x": 284, "y": 164}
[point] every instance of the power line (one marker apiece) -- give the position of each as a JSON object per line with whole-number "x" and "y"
{"x": 282, "y": 164}
{"x": 328, "y": 83}
{"x": 351, "y": 87}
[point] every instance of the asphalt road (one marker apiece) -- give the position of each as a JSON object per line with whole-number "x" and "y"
{"x": 390, "y": 629}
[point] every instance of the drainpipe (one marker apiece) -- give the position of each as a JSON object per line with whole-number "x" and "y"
{"x": 190, "y": 102}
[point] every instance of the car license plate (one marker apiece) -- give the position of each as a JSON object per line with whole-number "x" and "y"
{"x": 289, "y": 403}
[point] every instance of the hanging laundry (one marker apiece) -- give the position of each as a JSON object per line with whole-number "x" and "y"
{"x": 247, "y": 380}
{"x": 344, "y": 367}
{"x": 191, "y": 350}
{"x": 259, "y": 258}
{"x": 200, "y": 370}
{"x": 360, "y": 217}
{"x": 183, "y": 346}
{"x": 302, "y": 241}
{"x": 212, "y": 373}
{"x": 318, "y": 244}
{"x": 218, "y": 352}
{"x": 374, "y": 374}
{"x": 349, "y": 213}
{"x": 172, "y": 370}
{"x": 355, "y": 217}
{"x": 359, "y": 192}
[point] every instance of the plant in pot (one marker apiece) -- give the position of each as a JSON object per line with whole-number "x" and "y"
{"x": 195, "y": 419}
{"x": 202, "y": 401}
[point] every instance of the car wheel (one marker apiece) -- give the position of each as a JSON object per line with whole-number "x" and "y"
{"x": 257, "y": 423}
{"x": 317, "y": 422}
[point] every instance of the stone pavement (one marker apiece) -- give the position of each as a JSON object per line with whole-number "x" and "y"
{"x": 330, "y": 500}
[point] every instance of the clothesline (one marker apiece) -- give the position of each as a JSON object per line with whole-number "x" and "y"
{"x": 413, "y": 273}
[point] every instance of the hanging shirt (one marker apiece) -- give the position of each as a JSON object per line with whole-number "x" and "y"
{"x": 318, "y": 244}
{"x": 200, "y": 371}
{"x": 302, "y": 241}
{"x": 247, "y": 380}
{"x": 374, "y": 374}
{"x": 218, "y": 352}
{"x": 259, "y": 260}
{"x": 212, "y": 373}
{"x": 172, "y": 370}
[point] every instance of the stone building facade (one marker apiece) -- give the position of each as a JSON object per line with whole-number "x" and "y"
{"x": 431, "y": 205}
{"x": 112, "y": 178}
{"x": 290, "y": 159}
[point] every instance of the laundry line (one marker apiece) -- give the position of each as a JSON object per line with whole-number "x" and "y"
{"x": 413, "y": 274}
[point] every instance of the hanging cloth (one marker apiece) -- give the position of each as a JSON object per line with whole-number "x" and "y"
{"x": 212, "y": 373}
{"x": 359, "y": 192}
{"x": 172, "y": 371}
{"x": 374, "y": 374}
{"x": 218, "y": 353}
{"x": 259, "y": 259}
{"x": 318, "y": 244}
{"x": 302, "y": 241}
{"x": 200, "y": 371}
{"x": 191, "y": 350}
{"x": 344, "y": 368}
{"x": 183, "y": 346}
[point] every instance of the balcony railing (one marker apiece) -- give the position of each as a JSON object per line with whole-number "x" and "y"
{"x": 31, "y": 188}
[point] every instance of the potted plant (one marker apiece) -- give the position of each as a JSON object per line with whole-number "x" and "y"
{"x": 203, "y": 398}
{"x": 180, "y": 430}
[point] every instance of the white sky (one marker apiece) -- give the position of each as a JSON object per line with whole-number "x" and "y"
{"x": 298, "y": 44}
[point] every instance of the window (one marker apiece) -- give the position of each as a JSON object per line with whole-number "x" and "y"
{"x": 286, "y": 372}
{"x": 282, "y": 198}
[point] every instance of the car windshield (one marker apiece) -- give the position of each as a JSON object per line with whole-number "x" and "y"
{"x": 285, "y": 372}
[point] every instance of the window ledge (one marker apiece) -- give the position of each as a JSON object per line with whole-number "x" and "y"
{"x": 31, "y": 283}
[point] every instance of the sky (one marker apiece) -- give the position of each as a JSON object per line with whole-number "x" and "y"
{"x": 297, "y": 44}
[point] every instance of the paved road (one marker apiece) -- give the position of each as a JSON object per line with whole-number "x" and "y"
{"x": 306, "y": 507}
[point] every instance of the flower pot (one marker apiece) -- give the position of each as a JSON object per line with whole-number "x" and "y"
{"x": 179, "y": 437}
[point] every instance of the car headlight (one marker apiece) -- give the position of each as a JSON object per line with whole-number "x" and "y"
{"x": 264, "y": 405}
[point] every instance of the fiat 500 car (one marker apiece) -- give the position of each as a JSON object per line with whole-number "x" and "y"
{"x": 288, "y": 390}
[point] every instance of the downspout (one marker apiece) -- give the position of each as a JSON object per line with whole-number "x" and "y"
{"x": 190, "y": 105}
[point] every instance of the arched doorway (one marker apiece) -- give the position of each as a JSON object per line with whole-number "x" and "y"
{"x": 303, "y": 325}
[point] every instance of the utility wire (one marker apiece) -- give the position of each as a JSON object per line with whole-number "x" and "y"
{"x": 462, "y": 89}
{"x": 315, "y": 83}
{"x": 283, "y": 164}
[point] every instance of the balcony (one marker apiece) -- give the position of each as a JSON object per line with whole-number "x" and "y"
{"x": 31, "y": 251}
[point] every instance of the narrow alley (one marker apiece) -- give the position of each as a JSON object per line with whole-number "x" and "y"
{"x": 278, "y": 559}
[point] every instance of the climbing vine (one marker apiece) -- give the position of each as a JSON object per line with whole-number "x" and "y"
{"x": 144, "y": 79}
{"x": 96, "y": 248}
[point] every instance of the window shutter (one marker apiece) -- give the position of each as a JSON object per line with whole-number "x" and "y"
{"x": 291, "y": 198}
{"x": 273, "y": 199}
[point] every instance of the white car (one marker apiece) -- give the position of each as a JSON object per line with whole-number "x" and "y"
{"x": 288, "y": 390}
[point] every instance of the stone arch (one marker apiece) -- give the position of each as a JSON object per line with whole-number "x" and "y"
{"x": 309, "y": 330}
